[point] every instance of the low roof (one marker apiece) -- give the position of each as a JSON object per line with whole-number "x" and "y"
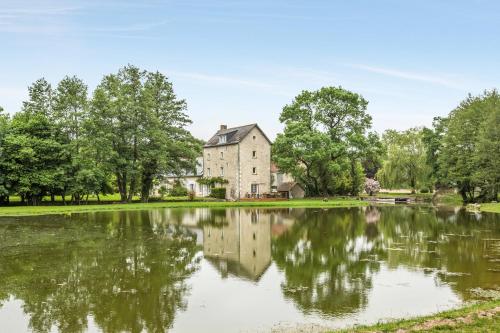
{"x": 233, "y": 135}
{"x": 287, "y": 186}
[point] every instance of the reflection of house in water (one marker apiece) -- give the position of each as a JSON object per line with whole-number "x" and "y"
{"x": 242, "y": 246}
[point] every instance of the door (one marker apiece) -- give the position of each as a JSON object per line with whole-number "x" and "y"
{"x": 255, "y": 190}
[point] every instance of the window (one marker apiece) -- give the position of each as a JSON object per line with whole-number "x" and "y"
{"x": 221, "y": 155}
{"x": 254, "y": 188}
{"x": 208, "y": 157}
{"x": 254, "y": 137}
{"x": 191, "y": 187}
{"x": 208, "y": 172}
{"x": 222, "y": 138}
{"x": 222, "y": 171}
{"x": 254, "y": 154}
{"x": 254, "y": 170}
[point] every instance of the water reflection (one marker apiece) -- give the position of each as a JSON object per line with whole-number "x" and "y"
{"x": 135, "y": 271}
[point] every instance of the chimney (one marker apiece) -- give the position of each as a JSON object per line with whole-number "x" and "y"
{"x": 223, "y": 127}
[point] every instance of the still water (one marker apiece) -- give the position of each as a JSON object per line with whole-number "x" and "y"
{"x": 241, "y": 270}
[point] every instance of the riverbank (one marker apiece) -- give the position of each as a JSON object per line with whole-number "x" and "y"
{"x": 481, "y": 317}
{"x": 490, "y": 207}
{"x": 59, "y": 209}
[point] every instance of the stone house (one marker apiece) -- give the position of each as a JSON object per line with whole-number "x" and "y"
{"x": 242, "y": 156}
{"x": 188, "y": 178}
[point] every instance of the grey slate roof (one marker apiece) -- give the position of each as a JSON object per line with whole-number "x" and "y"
{"x": 233, "y": 135}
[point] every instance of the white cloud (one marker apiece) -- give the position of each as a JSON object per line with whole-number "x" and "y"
{"x": 433, "y": 79}
{"x": 226, "y": 80}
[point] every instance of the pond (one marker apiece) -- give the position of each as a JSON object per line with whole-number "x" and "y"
{"x": 241, "y": 270}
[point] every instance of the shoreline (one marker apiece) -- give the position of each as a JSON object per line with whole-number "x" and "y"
{"x": 482, "y": 316}
{"x": 12, "y": 211}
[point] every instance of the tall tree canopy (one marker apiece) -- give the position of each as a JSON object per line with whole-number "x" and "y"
{"x": 405, "y": 162}
{"x": 32, "y": 154}
{"x": 324, "y": 140}
{"x": 470, "y": 147}
{"x": 139, "y": 119}
{"x": 132, "y": 132}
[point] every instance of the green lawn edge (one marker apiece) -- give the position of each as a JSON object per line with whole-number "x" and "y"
{"x": 479, "y": 324}
{"x": 299, "y": 203}
{"x": 490, "y": 207}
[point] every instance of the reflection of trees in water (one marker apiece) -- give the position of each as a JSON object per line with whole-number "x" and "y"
{"x": 448, "y": 243}
{"x": 126, "y": 276}
{"x": 329, "y": 256}
{"x": 320, "y": 256}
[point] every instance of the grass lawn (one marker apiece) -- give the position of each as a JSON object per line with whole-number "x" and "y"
{"x": 490, "y": 207}
{"x": 419, "y": 196}
{"x": 481, "y": 317}
{"x": 59, "y": 209}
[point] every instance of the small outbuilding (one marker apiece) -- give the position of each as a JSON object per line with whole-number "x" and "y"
{"x": 291, "y": 190}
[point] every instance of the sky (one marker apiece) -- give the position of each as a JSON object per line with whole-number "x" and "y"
{"x": 240, "y": 62}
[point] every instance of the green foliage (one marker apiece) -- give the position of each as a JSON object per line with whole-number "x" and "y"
{"x": 470, "y": 155}
{"x": 142, "y": 124}
{"x": 325, "y": 141}
{"x": 130, "y": 132}
{"x": 212, "y": 182}
{"x": 178, "y": 189}
{"x": 218, "y": 193}
{"x": 405, "y": 161}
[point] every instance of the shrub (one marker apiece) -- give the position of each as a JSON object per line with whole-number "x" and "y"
{"x": 191, "y": 195}
{"x": 162, "y": 191}
{"x": 218, "y": 193}
{"x": 178, "y": 190}
{"x": 372, "y": 186}
{"x": 424, "y": 190}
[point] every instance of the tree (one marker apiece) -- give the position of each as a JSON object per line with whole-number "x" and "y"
{"x": 31, "y": 154}
{"x": 487, "y": 175}
{"x": 405, "y": 161}
{"x": 170, "y": 148}
{"x": 324, "y": 140}
{"x": 433, "y": 141}
{"x": 461, "y": 162}
{"x": 69, "y": 115}
{"x": 4, "y": 127}
{"x": 140, "y": 121}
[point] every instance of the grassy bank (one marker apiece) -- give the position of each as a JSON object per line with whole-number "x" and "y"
{"x": 482, "y": 317}
{"x": 299, "y": 203}
{"x": 416, "y": 196}
{"x": 490, "y": 207}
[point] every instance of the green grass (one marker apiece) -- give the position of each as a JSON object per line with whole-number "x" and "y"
{"x": 59, "y": 209}
{"x": 422, "y": 196}
{"x": 481, "y": 317}
{"x": 490, "y": 207}
{"x": 93, "y": 198}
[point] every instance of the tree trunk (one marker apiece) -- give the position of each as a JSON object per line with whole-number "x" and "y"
{"x": 147, "y": 184}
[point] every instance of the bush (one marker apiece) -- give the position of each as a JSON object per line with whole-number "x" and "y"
{"x": 178, "y": 190}
{"x": 162, "y": 191}
{"x": 424, "y": 190}
{"x": 191, "y": 195}
{"x": 218, "y": 193}
{"x": 372, "y": 186}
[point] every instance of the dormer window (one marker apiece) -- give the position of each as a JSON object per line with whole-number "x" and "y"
{"x": 222, "y": 138}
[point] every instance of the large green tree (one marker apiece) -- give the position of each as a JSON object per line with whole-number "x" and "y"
{"x": 467, "y": 160}
{"x": 4, "y": 126}
{"x": 405, "y": 161}
{"x": 141, "y": 123}
{"x": 33, "y": 157}
{"x": 324, "y": 140}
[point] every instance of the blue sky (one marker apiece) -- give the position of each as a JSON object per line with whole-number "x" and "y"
{"x": 238, "y": 62}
